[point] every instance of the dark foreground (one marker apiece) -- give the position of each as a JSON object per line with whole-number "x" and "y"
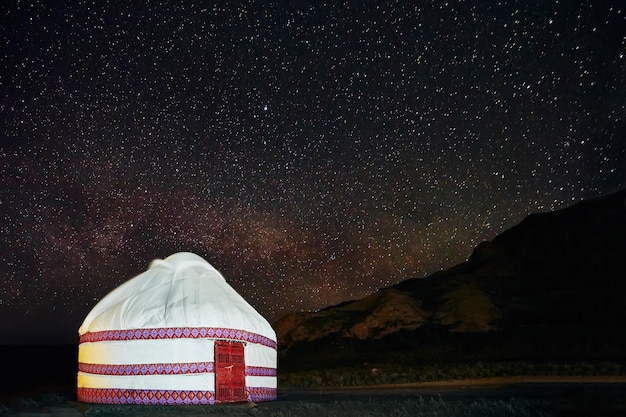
{"x": 41, "y": 382}
{"x": 468, "y": 398}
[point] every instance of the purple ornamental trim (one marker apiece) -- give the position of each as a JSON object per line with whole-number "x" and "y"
{"x": 146, "y": 396}
{"x": 147, "y": 368}
{"x": 178, "y": 333}
{"x": 260, "y": 371}
{"x": 165, "y": 369}
{"x": 163, "y": 397}
{"x": 259, "y": 394}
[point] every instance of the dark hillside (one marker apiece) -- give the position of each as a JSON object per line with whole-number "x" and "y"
{"x": 551, "y": 288}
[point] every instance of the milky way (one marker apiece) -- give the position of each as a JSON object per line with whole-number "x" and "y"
{"x": 311, "y": 152}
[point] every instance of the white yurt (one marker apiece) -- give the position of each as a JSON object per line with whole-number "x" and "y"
{"x": 176, "y": 334}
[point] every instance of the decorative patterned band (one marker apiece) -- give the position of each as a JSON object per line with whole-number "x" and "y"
{"x": 179, "y": 333}
{"x": 147, "y": 368}
{"x": 143, "y": 396}
{"x": 165, "y": 369}
{"x": 260, "y": 371}
{"x": 163, "y": 397}
{"x": 259, "y": 394}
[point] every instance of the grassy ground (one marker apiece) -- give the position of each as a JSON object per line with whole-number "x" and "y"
{"x": 385, "y": 373}
{"x": 418, "y": 407}
{"x": 47, "y": 381}
{"x": 505, "y": 396}
{"x": 359, "y": 408}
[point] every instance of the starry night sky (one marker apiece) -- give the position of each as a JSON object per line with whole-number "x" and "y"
{"x": 312, "y": 151}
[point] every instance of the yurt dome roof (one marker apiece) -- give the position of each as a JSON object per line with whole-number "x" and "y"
{"x": 180, "y": 291}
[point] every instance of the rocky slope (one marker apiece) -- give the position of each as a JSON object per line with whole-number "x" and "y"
{"x": 562, "y": 268}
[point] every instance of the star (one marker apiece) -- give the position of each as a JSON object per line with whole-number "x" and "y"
{"x": 311, "y": 153}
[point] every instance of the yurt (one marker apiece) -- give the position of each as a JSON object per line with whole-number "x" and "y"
{"x": 176, "y": 334}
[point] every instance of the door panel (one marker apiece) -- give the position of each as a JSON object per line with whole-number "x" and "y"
{"x": 230, "y": 378}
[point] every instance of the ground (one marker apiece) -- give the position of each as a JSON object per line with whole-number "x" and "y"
{"x": 534, "y": 396}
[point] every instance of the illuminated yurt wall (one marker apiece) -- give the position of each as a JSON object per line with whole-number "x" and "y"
{"x": 176, "y": 334}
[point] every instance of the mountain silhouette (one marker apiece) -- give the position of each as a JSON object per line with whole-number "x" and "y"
{"x": 553, "y": 286}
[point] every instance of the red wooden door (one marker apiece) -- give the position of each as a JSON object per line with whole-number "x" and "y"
{"x": 230, "y": 378}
